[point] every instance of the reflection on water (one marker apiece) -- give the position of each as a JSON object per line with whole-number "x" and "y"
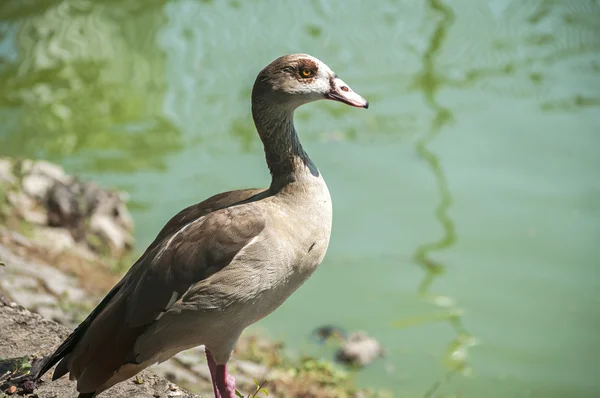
{"x": 65, "y": 92}
{"x": 429, "y": 80}
{"x": 477, "y": 160}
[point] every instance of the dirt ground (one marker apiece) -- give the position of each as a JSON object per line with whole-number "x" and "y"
{"x": 28, "y": 334}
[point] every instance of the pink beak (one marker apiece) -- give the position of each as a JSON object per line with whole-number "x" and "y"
{"x": 341, "y": 92}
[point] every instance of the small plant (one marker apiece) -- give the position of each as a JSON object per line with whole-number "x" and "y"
{"x": 14, "y": 368}
{"x": 260, "y": 389}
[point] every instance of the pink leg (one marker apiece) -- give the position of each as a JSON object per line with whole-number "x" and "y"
{"x": 212, "y": 365}
{"x": 225, "y": 382}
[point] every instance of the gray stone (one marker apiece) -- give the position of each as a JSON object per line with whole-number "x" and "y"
{"x": 38, "y": 286}
{"x": 251, "y": 369}
{"x": 359, "y": 349}
{"x": 48, "y": 169}
{"x": 37, "y": 185}
{"x": 6, "y": 172}
{"x": 55, "y": 240}
{"x": 41, "y": 193}
{"x": 176, "y": 373}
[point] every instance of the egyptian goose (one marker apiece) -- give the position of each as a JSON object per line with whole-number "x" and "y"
{"x": 220, "y": 265}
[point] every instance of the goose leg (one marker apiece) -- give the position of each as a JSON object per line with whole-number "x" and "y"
{"x": 225, "y": 382}
{"x": 212, "y": 366}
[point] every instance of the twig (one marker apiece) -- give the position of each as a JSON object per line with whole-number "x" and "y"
{"x": 259, "y": 387}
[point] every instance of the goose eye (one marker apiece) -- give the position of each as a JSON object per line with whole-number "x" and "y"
{"x": 305, "y": 73}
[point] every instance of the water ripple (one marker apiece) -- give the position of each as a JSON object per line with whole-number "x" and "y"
{"x": 455, "y": 358}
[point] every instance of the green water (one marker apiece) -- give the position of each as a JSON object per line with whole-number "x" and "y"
{"x": 466, "y": 199}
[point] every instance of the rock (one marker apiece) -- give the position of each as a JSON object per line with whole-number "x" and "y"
{"x": 47, "y": 169}
{"x": 56, "y": 283}
{"x": 55, "y": 240}
{"x": 118, "y": 239}
{"x": 327, "y": 332}
{"x": 27, "y": 207}
{"x": 176, "y": 373}
{"x": 6, "y": 172}
{"x": 201, "y": 370}
{"x": 41, "y": 193}
{"x": 359, "y": 350}
{"x": 251, "y": 369}
{"x": 38, "y": 286}
{"x": 27, "y": 334}
{"x": 86, "y": 209}
{"x": 37, "y": 185}
{"x": 54, "y": 313}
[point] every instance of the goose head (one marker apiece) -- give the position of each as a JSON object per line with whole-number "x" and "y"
{"x": 297, "y": 79}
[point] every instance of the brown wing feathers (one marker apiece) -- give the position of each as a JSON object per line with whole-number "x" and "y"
{"x": 67, "y": 346}
{"x": 181, "y": 256}
{"x": 211, "y": 204}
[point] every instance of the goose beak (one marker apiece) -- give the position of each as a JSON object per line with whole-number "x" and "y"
{"x": 340, "y": 91}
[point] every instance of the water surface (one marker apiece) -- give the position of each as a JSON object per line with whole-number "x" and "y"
{"x": 466, "y": 199}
